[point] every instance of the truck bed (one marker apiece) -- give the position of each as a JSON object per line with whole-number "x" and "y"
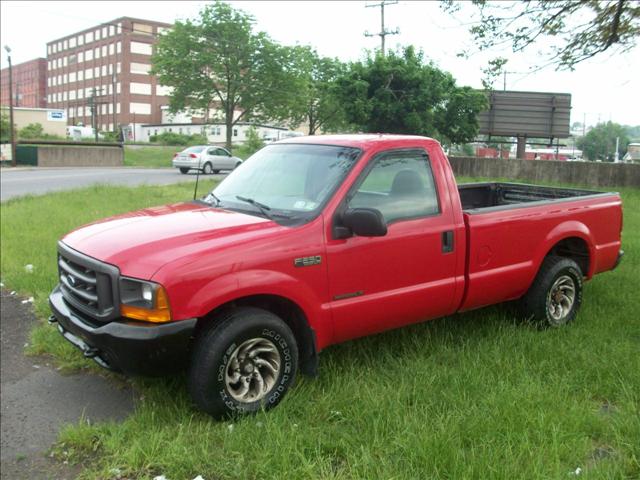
{"x": 499, "y": 196}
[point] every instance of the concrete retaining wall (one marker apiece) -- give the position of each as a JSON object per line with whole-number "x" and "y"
{"x": 593, "y": 174}
{"x": 80, "y": 156}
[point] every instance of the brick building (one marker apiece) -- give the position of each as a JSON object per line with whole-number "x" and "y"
{"x": 29, "y": 84}
{"x": 113, "y": 60}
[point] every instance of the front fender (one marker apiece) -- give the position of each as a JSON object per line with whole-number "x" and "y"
{"x": 236, "y": 285}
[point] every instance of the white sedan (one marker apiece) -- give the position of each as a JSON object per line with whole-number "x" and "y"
{"x": 206, "y": 159}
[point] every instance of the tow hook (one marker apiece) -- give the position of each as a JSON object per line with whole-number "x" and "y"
{"x": 90, "y": 352}
{"x": 52, "y": 319}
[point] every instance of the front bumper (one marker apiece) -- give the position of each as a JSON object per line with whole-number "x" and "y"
{"x": 127, "y": 346}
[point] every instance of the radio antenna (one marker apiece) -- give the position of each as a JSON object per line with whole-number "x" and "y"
{"x": 195, "y": 190}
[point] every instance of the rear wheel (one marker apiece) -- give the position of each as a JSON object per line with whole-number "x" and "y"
{"x": 207, "y": 169}
{"x": 184, "y": 170}
{"x": 555, "y": 296}
{"x": 246, "y": 361}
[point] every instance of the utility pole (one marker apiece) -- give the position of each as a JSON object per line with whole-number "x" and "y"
{"x": 92, "y": 105}
{"x": 383, "y": 31}
{"x": 12, "y": 131}
{"x": 113, "y": 91}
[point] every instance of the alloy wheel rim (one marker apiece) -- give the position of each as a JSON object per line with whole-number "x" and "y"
{"x": 252, "y": 370}
{"x": 561, "y": 298}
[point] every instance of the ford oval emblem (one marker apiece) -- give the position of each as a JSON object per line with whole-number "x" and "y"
{"x": 72, "y": 280}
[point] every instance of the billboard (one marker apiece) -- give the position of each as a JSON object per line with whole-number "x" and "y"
{"x": 528, "y": 114}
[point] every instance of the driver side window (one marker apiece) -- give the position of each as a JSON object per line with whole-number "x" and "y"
{"x": 400, "y": 185}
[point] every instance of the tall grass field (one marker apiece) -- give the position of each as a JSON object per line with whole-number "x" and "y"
{"x": 472, "y": 396}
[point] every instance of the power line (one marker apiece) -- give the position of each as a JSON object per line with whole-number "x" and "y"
{"x": 383, "y": 31}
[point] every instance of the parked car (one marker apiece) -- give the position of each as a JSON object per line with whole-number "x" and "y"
{"x": 206, "y": 158}
{"x": 315, "y": 241}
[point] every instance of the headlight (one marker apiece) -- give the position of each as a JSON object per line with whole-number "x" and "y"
{"x": 143, "y": 300}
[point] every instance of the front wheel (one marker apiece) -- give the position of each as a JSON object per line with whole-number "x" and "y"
{"x": 555, "y": 296}
{"x": 247, "y": 360}
{"x": 184, "y": 170}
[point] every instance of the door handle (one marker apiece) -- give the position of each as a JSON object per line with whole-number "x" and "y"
{"x": 447, "y": 241}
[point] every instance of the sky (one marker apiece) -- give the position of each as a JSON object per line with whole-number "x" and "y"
{"x": 604, "y": 88}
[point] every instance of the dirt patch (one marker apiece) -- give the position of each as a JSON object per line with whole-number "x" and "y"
{"x": 37, "y": 400}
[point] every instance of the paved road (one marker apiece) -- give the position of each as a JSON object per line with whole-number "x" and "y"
{"x": 37, "y": 400}
{"x": 37, "y": 181}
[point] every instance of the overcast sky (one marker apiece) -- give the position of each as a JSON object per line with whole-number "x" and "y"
{"x": 603, "y": 88}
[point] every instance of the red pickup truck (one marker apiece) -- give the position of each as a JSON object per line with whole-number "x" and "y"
{"x": 314, "y": 241}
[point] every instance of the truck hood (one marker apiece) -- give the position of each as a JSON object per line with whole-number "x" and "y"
{"x": 141, "y": 242}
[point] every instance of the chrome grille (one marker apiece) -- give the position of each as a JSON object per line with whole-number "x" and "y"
{"x": 87, "y": 284}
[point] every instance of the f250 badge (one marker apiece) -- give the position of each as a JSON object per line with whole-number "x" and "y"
{"x": 308, "y": 261}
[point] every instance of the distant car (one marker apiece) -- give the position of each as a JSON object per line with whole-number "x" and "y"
{"x": 206, "y": 159}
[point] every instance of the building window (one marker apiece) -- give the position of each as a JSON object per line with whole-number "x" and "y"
{"x": 140, "y": 88}
{"x": 64, "y": 79}
{"x": 81, "y": 93}
{"x": 141, "y": 108}
{"x": 141, "y": 48}
{"x": 64, "y": 96}
{"x": 72, "y": 95}
{"x": 104, "y": 70}
{"x": 72, "y": 77}
{"x": 96, "y": 53}
{"x": 80, "y": 57}
{"x": 180, "y": 130}
{"x": 64, "y": 61}
{"x": 117, "y": 107}
{"x": 140, "y": 68}
{"x": 73, "y": 59}
{"x": 104, "y": 51}
{"x": 112, "y": 30}
{"x": 88, "y": 37}
{"x": 104, "y": 32}
{"x": 88, "y": 55}
{"x": 118, "y": 87}
{"x": 54, "y": 48}
{"x": 72, "y": 42}
{"x": 118, "y": 47}
{"x": 235, "y": 132}
{"x": 80, "y": 75}
{"x": 112, "y": 49}
{"x": 80, "y": 40}
{"x": 88, "y": 74}
{"x": 65, "y": 45}
{"x": 48, "y": 81}
{"x": 98, "y": 34}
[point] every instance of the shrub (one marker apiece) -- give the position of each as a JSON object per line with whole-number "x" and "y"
{"x": 178, "y": 139}
{"x": 34, "y": 131}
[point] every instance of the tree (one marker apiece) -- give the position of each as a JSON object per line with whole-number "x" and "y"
{"x": 399, "y": 93}
{"x": 217, "y": 60}
{"x": 579, "y": 29}
{"x": 600, "y": 142}
{"x": 5, "y": 134}
{"x": 317, "y": 100}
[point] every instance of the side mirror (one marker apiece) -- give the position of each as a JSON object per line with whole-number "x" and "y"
{"x": 365, "y": 222}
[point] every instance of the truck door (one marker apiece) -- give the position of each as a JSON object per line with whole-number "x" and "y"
{"x": 408, "y": 275}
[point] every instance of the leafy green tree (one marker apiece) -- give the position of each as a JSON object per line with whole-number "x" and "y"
{"x": 250, "y": 146}
{"x": 218, "y": 61}
{"x": 5, "y": 134}
{"x": 317, "y": 100}
{"x": 600, "y": 142}
{"x": 579, "y": 29}
{"x": 400, "y": 93}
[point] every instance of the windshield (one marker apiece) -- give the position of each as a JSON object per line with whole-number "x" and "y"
{"x": 285, "y": 181}
{"x": 193, "y": 150}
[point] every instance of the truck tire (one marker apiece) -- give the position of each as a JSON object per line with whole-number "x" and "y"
{"x": 554, "y": 298}
{"x": 247, "y": 360}
{"x": 184, "y": 170}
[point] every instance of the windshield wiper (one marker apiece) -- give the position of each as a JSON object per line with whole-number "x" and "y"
{"x": 264, "y": 209}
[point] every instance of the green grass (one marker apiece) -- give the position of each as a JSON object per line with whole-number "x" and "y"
{"x": 151, "y": 157}
{"x": 476, "y": 395}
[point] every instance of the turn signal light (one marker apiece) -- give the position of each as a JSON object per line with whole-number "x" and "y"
{"x": 159, "y": 314}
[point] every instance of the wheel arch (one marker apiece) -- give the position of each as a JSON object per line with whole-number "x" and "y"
{"x": 286, "y": 309}
{"x": 570, "y": 240}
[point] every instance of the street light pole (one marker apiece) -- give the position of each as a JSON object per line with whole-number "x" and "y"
{"x": 12, "y": 133}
